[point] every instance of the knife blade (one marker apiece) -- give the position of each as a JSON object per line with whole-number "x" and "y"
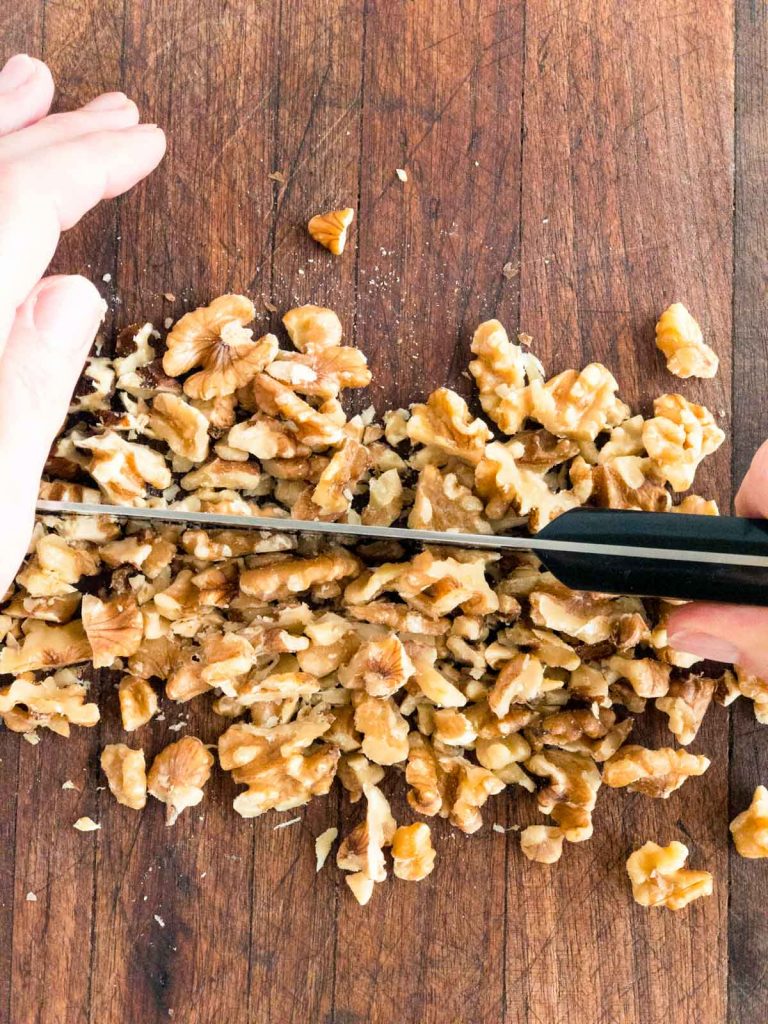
{"x": 656, "y": 554}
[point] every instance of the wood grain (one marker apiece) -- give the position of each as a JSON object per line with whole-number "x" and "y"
{"x": 747, "y": 930}
{"x": 587, "y": 147}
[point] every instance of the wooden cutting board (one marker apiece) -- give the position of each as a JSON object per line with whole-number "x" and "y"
{"x": 571, "y": 169}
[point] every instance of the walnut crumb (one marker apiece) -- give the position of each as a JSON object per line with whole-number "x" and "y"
{"x": 86, "y": 824}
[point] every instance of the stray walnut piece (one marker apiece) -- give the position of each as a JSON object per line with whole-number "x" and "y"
{"x": 659, "y": 878}
{"x": 750, "y": 828}
{"x": 454, "y": 673}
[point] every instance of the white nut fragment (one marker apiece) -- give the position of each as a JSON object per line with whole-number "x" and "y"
{"x": 86, "y": 824}
{"x": 323, "y": 845}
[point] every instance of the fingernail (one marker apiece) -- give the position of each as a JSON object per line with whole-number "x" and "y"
{"x": 108, "y": 101}
{"x": 705, "y": 645}
{"x": 18, "y": 70}
{"x": 67, "y": 300}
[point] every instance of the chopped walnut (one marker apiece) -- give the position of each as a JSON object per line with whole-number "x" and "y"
{"x": 467, "y": 787}
{"x": 363, "y": 849}
{"x": 138, "y": 702}
{"x": 54, "y": 703}
{"x": 571, "y": 795}
{"x": 588, "y": 617}
{"x": 215, "y": 337}
{"x": 330, "y": 229}
{"x": 323, "y": 845}
{"x": 115, "y": 628}
{"x": 126, "y": 774}
{"x": 425, "y": 776}
{"x": 578, "y": 404}
{"x": 124, "y": 470}
{"x": 178, "y": 774}
{"x": 313, "y": 328}
{"x": 648, "y": 678}
{"x": 322, "y": 372}
{"x": 542, "y": 843}
{"x": 444, "y": 423}
{"x": 520, "y": 680}
{"x": 56, "y": 567}
{"x": 384, "y": 730}
{"x": 412, "y": 852}
{"x": 385, "y": 499}
{"x": 46, "y": 647}
{"x": 281, "y": 580}
{"x": 678, "y": 437}
{"x": 679, "y": 337}
{"x": 656, "y": 773}
{"x": 335, "y": 488}
{"x": 181, "y": 426}
{"x": 750, "y": 828}
{"x": 356, "y": 771}
{"x": 624, "y": 483}
{"x": 659, "y": 878}
{"x": 500, "y": 370}
{"x": 380, "y": 667}
{"x": 694, "y": 505}
{"x": 442, "y": 503}
{"x": 686, "y": 702}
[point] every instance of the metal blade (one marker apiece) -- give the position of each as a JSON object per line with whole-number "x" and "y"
{"x": 494, "y": 542}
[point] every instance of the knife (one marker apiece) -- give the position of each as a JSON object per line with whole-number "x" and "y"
{"x": 649, "y": 554}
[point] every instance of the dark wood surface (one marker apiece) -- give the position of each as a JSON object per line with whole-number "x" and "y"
{"x": 616, "y": 156}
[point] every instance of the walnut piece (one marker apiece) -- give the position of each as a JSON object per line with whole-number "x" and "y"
{"x": 124, "y": 470}
{"x": 46, "y": 647}
{"x": 686, "y": 703}
{"x": 572, "y": 792}
{"x": 114, "y": 628}
{"x": 363, "y": 849}
{"x": 126, "y": 774}
{"x": 542, "y": 843}
{"x": 679, "y": 337}
{"x": 659, "y": 878}
{"x": 412, "y": 852}
{"x": 656, "y": 773}
{"x": 181, "y": 426}
{"x": 678, "y": 437}
{"x": 750, "y": 828}
{"x": 501, "y": 370}
{"x": 54, "y": 703}
{"x": 380, "y": 667}
{"x": 384, "y": 730}
{"x": 442, "y": 503}
{"x": 215, "y": 337}
{"x": 444, "y": 423}
{"x": 138, "y": 702}
{"x": 330, "y": 229}
{"x": 178, "y": 774}
{"x": 313, "y": 328}
{"x": 281, "y": 580}
{"x": 578, "y": 404}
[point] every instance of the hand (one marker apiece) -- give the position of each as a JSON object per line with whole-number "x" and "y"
{"x": 727, "y": 632}
{"x": 53, "y": 169}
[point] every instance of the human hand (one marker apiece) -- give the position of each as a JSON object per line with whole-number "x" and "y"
{"x": 53, "y": 169}
{"x": 727, "y": 632}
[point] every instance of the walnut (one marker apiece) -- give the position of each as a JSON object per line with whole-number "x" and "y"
{"x": 648, "y": 678}
{"x": 95, "y": 386}
{"x": 223, "y": 544}
{"x": 215, "y": 337}
{"x": 625, "y": 440}
{"x": 363, "y": 849}
{"x": 219, "y": 411}
{"x": 577, "y": 404}
{"x": 425, "y": 777}
{"x": 356, "y": 771}
{"x": 56, "y": 567}
{"x": 385, "y": 731}
{"x": 750, "y": 828}
{"x": 266, "y": 438}
{"x": 335, "y": 488}
{"x": 412, "y": 852}
{"x": 753, "y": 687}
{"x": 679, "y": 436}
{"x": 46, "y": 647}
{"x": 656, "y": 773}
{"x": 571, "y": 795}
{"x": 549, "y": 648}
{"x": 444, "y": 423}
{"x": 385, "y": 499}
{"x": 114, "y": 628}
{"x": 580, "y": 729}
{"x": 694, "y": 505}
{"x": 50, "y": 609}
{"x": 138, "y": 702}
{"x": 520, "y": 680}
{"x": 500, "y": 370}
{"x": 624, "y": 483}
{"x": 432, "y": 683}
{"x": 54, "y": 703}
{"x": 543, "y": 451}
{"x": 686, "y": 703}
{"x": 281, "y": 580}
{"x": 126, "y": 774}
{"x": 466, "y": 788}
{"x": 313, "y": 328}
{"x": 330, "y": 229}
{"x": 225, "y": 658}
{"x": 178, "y": 774}
{"x": 542, "y": 843}
{"x": 659, "y": 878}
{"x": 323, "y": 372}
{"x": 452, "y": 728}
{"x": 503, "y": 483}
{"x": 239, "y": 476}
{"x": 679, "y": 337}
{"x": 61, "y": 490}
{"x": 124, "y": 470}
{"x": 181, "y": 426}
{"x": 437, "y": 586}
{"x": 380, "y": 667}
{"x": 588, "y": 617}
{"x": 442, "y": 503}
{"x": 276, "y": 765}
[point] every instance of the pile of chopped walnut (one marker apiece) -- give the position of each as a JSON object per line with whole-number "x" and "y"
{"x": 469, "y": 672}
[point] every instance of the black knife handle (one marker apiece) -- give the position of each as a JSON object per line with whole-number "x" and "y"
{"x": 656, "y": 577}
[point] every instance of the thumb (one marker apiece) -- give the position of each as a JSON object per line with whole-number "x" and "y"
{"x": 722, "y": 632}
{"x": 44, "y": 354}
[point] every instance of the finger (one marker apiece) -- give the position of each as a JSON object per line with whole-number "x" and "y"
{"x": 26, "y": 92}
{"x": 52, "y": 190}
{"x": 752, "y": 499}
{"x": 50, "y": 338}
{"x": 723, "y": 632}
{"x": 108, "y": 112}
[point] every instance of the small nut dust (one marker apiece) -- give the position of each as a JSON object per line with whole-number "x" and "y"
{"x": 449, "y": 673}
